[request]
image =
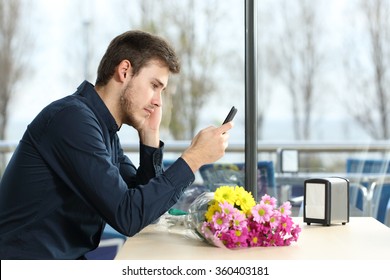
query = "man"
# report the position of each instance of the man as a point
(69, 175)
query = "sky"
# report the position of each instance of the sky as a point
(57, 29)
(54, 73)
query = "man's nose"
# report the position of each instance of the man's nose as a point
(157, 101)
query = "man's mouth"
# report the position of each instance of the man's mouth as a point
(149, 111)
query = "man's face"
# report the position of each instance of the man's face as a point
(142, 93)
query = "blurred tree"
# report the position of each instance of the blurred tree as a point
(12, 46)
(193, 34)
(196, 83)
(265, 64)
(298, 60)
(82, 56)
(368, 70)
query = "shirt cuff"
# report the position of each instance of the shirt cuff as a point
(154, 156)
(180, 174)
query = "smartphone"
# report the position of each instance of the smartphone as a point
(231, 115)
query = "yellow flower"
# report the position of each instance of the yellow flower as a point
(211, 211)
(225, 193)
(244, 200)
(237, 196)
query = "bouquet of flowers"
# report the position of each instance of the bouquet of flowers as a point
(231, 218)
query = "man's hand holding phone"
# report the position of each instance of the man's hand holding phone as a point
(209, 144)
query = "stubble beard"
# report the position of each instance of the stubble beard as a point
(127, 105)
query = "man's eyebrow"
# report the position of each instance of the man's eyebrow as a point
(161, 84)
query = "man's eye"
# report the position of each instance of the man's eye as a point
(155, 86)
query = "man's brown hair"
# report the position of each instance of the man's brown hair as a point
(139, 48)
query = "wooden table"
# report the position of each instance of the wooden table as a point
(363, 238)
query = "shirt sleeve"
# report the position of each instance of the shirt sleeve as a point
(75, 148)
(150, 164)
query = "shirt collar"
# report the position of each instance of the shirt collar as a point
(92, 98)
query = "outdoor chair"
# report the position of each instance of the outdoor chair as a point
(378, 190)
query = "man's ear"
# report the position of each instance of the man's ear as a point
(124, 69)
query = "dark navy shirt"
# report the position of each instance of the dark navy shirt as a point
(69, 176)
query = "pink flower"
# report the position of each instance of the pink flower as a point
(239, 220)
(227, 209)
(235, 238)
(265, 225)
(295, 232)
(220, 222)
(285, 209)
(261, 212)
(269, 200)
(276, 240)
(274, 219)
(253, 239)
(285, 224)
